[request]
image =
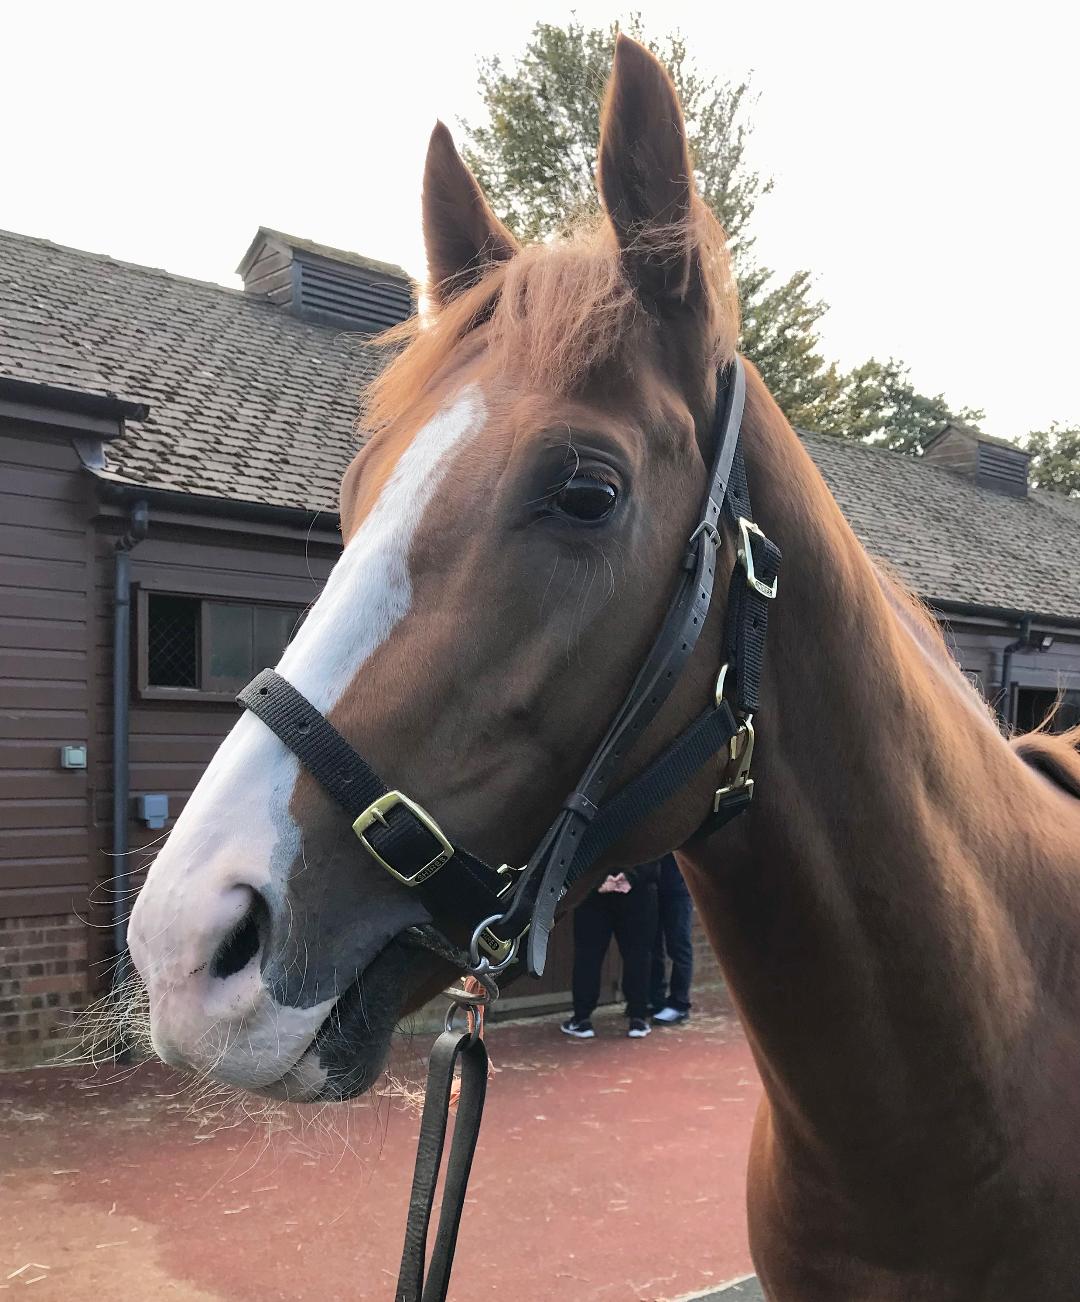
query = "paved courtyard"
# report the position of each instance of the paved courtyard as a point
(607, 1170)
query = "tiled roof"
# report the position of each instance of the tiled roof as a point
(251, 403)
(949, 539)
(246, 400)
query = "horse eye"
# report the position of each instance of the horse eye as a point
(586, 498)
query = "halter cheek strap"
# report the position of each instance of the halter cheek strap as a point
(483, 913)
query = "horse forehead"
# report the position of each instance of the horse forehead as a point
(369, 590)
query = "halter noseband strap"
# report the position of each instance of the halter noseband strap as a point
(487, 911)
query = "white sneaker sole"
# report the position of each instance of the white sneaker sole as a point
(638, 1035)
(578, 1035)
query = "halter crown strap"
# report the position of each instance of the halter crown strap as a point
(558, 862)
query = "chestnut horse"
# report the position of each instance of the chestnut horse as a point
(898, 915)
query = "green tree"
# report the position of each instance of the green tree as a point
(1055, 458)
(535, 155)
(877, 403)
(780, 336)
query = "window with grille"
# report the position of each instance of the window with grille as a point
(172, 641)
(208, 649)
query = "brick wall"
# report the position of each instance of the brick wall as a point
(44, 981)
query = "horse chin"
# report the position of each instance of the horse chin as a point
(350, 1049)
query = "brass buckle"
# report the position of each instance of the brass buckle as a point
(742, 756)
(376, 813)
(746, 556)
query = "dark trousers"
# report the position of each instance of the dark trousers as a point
(631, 919)
(675, 914)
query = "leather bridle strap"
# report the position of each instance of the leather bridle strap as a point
(751, 590)
(462, 889)
(552, 867)
(463, 898)
(451, 1047)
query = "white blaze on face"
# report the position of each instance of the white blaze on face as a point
(236, 830)
(369, 590)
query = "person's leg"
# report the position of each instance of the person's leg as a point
(592, 935)
(635, 929)
(658, 965)
(678, 928)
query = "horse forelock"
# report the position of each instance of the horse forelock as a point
(558, 312)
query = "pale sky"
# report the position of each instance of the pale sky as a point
(925, 155)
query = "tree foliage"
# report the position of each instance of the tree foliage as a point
(877, 403)
(1055, 458)
(535, 155)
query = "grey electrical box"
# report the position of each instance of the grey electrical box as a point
(153, 810)
(73, 757)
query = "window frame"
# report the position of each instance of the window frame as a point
(144, 689)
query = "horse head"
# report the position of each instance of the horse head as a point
(513, 526)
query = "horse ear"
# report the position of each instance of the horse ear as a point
(644, 173)
(462, 235)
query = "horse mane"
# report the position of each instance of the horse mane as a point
(1057, 755)
(559, 309)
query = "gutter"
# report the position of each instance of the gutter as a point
(101, 406)
(138, 526)
(1005, 614)
(168, 499)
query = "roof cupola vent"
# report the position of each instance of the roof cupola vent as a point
(992, 463)
(324, 285)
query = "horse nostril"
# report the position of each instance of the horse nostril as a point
(242, 944)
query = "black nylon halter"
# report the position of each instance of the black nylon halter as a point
(486, 910)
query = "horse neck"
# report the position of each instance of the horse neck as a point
(864, 913)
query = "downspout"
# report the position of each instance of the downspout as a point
(121, 904)
(1005, 709)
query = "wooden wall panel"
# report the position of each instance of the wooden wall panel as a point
(47, 841)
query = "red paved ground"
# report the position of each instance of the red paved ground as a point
(607, 1170)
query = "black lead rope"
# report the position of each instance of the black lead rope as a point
(483, 913)
(450, 1048)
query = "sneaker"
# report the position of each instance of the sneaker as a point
(669, 1016)
(579, 1030)
(638, 1029)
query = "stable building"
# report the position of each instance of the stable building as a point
(170, 453)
